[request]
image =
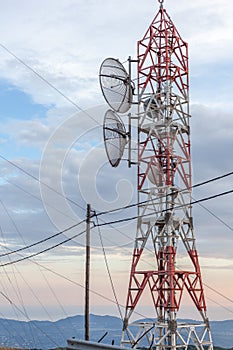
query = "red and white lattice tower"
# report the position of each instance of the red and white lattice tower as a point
(164, 195)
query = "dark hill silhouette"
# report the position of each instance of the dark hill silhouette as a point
(49, 335)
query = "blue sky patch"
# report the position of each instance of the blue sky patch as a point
(17, 104)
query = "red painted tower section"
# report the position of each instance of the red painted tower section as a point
(164, 195)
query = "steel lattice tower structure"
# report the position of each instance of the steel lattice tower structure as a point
(164, 194)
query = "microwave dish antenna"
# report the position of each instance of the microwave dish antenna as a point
(116, 85)
(115, 137)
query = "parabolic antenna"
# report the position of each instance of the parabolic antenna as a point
(116, 85)
(155, 175)
(115, 137)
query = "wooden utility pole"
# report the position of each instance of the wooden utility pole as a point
(87, 283)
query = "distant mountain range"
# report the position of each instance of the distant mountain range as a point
(49, 335)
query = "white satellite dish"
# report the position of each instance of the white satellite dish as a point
(115, 137)
(116, 85)
(155, 175)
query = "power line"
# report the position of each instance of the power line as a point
(213, 179)
(147, 201)
(215, 216)
(83, 287)
(117, 209)
(110, 211)
(41, 182)
(206, 285)
(43, 251)
(103, 296)
(42, 240)
(98, 225)
(25, 281)
(25, 315)
(48, 82)
(99, 294)
(224, 307)
(80, 109)
(222, 295)
(108, 270)
(165, 210)
(110, 278)
(77, 284)
(38, 198)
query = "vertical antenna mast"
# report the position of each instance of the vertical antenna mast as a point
(164, 195)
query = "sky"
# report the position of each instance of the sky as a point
(51, 111)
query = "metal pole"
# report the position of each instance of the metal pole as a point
(87, 283)
(129, 135)
(130, 91)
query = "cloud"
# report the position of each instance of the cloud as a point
(68, 52)
(65, 42)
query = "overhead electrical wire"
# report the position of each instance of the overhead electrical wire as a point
(206, 285)
(99, 294)
(103, 224)
(25, 315)
(217, 303)
(53, 247)
(39, 302)
(122, 220)
(109, 223)
(79, 108)
(125, 207)
(215, 216)
(42, 240)
(57, 300)
(147, 201)
(48, 83)
(165, 210)
(25, 281)
(222, 295)
(41, 182)
(43, 251)
(16, 291)
(108, 270)
(199, 204)
(110, 278)
(74, 282)
(74, 104)
(106, 297)
(39, 199)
